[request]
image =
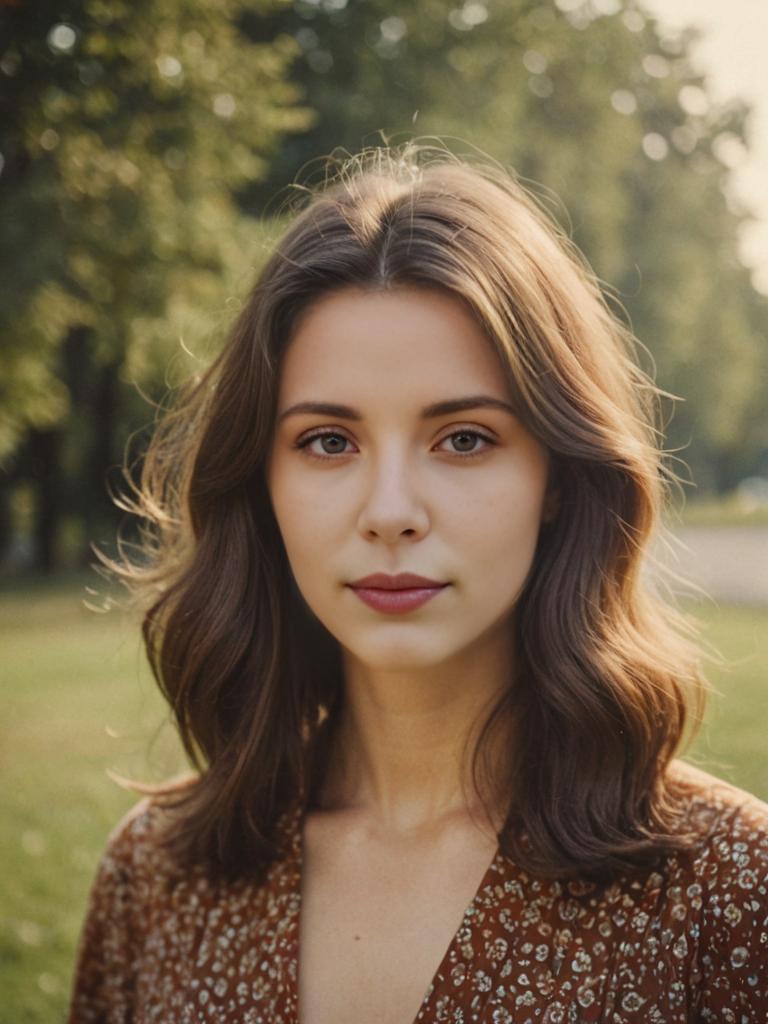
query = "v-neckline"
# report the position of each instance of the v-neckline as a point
(494, 870)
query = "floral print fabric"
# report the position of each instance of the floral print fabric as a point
(687, 942)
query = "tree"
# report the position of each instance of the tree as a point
(126, 128)
(591, 99)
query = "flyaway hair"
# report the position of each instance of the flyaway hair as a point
(608, 680)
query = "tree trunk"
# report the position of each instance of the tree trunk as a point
(101, 467)
(6, 526)
(44, 448)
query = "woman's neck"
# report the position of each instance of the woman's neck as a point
(402, 753)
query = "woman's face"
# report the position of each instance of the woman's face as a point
(391, 486)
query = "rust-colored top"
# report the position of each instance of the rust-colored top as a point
(685, 942)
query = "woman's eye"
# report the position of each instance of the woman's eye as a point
(331, 443)
(464, 437)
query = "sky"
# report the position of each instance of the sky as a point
(732, 54)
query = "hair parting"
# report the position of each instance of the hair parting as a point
(609, 671)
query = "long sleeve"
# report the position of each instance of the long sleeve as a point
(109, 948)
(734, 930)
(166, 943)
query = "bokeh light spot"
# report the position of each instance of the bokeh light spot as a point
(535, 62)
(655, 146)
(224, 105)
(655, 65)
(168, 66)
(62, 38)
(49, 139)
(634, 21)
(623, 101)
(693, 100)
(393, 29)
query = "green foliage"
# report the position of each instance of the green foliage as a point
(135, 135)
(129, 126)
(592, 100)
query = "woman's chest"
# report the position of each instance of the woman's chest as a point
(521, 955)
(363, 938)
(376, 927)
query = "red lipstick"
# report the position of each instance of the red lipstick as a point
(400, 593)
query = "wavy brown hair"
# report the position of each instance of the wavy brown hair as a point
(609, 678)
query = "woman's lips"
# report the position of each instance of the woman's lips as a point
(397, 600)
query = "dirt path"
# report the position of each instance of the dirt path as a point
(729, 562)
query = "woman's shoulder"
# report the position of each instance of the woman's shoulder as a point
(730, 825)
(135, 834)
(714, 806)
(139, 847)
(721, 886)
(135, 851)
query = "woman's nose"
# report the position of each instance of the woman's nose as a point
(392, 502)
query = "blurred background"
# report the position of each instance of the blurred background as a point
(145, 150)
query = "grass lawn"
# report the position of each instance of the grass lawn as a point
(78, 700)
(726, 511)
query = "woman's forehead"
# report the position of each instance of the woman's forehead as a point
(404, 343)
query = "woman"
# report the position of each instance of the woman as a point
(397, 534)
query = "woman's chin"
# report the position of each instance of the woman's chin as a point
(405, 655)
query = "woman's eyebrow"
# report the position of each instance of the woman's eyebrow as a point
(444, 408)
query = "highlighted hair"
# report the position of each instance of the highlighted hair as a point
(608, 679)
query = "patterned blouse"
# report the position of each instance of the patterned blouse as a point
(686, 942)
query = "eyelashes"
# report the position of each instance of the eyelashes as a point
(303, 443)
